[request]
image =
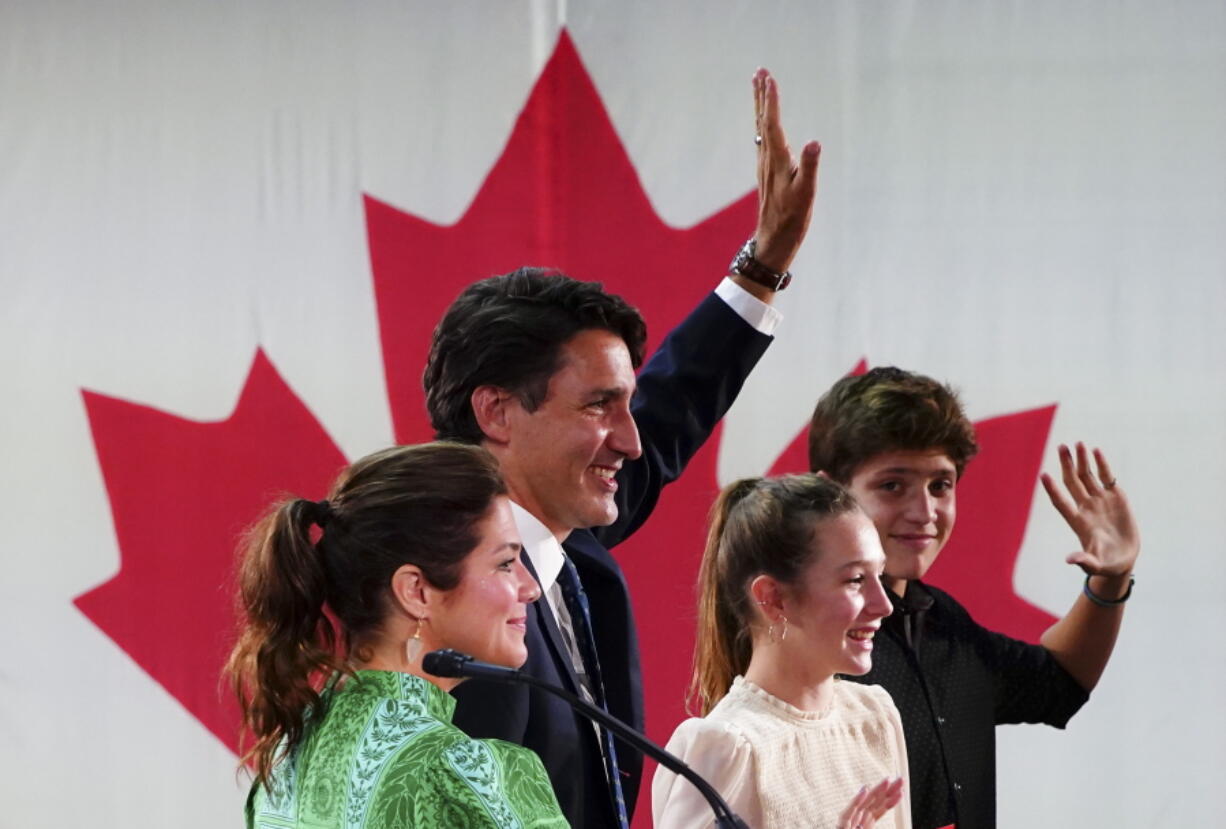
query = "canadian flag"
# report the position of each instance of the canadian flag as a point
(228, 232)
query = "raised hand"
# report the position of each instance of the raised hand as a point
(785, 187)
(870, 804)
(1097, 510)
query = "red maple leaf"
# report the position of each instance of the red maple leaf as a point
(563, 194)
(182, 492)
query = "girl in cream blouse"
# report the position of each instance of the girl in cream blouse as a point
(789, 596)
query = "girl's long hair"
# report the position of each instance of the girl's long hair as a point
(758, 526)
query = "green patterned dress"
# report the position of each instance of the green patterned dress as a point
(386, 756)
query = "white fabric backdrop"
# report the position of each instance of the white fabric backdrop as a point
(1026, 199)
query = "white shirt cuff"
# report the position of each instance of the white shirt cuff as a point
(763, 317)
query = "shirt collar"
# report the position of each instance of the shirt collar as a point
(541, 547)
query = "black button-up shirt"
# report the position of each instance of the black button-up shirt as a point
(954, 682)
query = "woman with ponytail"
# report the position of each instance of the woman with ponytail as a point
(414, 550)
(789, 596)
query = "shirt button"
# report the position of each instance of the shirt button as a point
(940, 721)
(957, 787)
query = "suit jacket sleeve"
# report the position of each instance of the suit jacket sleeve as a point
(683, 391)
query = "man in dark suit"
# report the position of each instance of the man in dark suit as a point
(540, 369)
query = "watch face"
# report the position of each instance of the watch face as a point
(747, 266)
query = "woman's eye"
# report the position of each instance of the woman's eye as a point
(856, 580)
(507, 565)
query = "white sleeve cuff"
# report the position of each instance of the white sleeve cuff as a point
(748, 307)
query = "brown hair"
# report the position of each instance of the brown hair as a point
(759, 526)
(308, 604)
(886, 410)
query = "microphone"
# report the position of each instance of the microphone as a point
(455, 665)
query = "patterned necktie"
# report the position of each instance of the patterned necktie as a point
(581, 620)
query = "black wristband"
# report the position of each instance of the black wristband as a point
(1100, 601)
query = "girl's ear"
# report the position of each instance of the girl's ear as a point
(767, 594)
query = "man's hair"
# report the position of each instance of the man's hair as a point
(508, 331)
(887, 410)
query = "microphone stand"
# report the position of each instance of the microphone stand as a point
(450, 663)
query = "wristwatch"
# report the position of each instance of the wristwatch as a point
(744, 264)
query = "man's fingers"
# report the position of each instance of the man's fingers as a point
(759, 102)
(810, 155)
(772, 128)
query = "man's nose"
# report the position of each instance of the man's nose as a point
(624, 437)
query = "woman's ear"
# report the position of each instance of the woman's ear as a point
(411, 591)
(767, 594)
(490, 404)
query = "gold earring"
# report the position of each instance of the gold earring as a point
(413, 648)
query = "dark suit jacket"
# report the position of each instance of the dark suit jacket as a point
(683, 391)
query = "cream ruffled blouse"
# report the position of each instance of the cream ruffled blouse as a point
(782, 768)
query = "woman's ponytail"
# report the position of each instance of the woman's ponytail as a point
(288, 645)
(308, 606)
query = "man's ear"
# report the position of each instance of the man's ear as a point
(821, 473)
(411, 592)
(767, 594)
(491, 410)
